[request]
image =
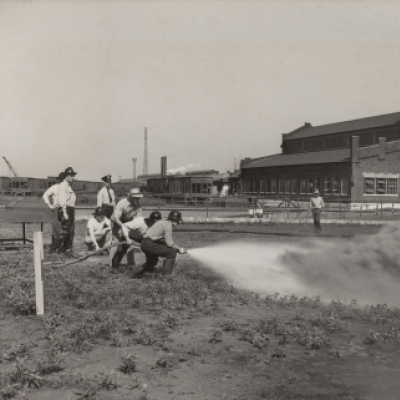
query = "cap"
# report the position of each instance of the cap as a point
(106, 178)
(135, 192)
(98, 211)
(70, 171)
(175, 216)
(61, 176)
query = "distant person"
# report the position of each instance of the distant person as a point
(99, 233)
(316, 206)
(158, 242)
(50, 198)
(66, 213)
(106, 197)
(125, 211)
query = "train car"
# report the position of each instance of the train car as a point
(25, 186)
(181, 187)
(5, 184)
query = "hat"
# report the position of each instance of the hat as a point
(61, 176)
(316, 191)
(70, 171)
(175, 216)
(135, 192)
(106, 178)
(98, 211)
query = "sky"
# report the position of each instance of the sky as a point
(211, 80)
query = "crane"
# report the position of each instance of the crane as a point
(10, 166)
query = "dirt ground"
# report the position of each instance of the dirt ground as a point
(189, 335)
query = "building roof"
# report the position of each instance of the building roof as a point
(318, 157)
(338, 127)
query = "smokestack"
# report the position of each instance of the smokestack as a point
(145, 166)
(164, 166)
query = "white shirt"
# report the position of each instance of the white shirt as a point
(96, 227)
(104, 198)
(317, 202)
(50, 195)
(125, 210)
(65, 195)
(137, 228)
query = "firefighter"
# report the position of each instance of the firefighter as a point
(50, 198)
(125, 211)
(66, 213)
(98, 231)
(106, 197)
(158, 242)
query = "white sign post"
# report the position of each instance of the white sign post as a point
(38, 254)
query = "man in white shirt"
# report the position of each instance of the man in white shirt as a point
(126, 210)
(98, 231)
(316, 206)
(50, 198)
(106, 197)
(66, 212)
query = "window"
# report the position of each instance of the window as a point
(281, 186)
(336, 142)
(327, 186)
(268, 187)
(256, 183)
(380, 186)
(303, 185)
(313, 144)
(317, 184)
(262, 186)
(273, 185)
(311, 185)
(335, 186)
(287, 186)
(294, 186)
(367, 139)
(344, 186)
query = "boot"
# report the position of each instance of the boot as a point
(168, 266)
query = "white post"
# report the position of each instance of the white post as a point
(38, 256)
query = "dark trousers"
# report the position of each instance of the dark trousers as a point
(317, 219)
(55, 226)
(107, 210)
(66, 239)
(153, 250)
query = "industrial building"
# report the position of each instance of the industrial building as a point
(354, 161)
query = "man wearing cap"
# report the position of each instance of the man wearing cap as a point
(316, 206)
(98, 231)
(106, 197)
(158, 242)
(66, 212)
(126, 210)
(50, 198)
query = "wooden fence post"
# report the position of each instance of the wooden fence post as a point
(38, 257)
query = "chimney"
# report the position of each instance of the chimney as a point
(308, 124)
(164, 166)
(355, 145)
(382, 149)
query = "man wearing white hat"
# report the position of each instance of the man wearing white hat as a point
(316, 206)
(126, 210)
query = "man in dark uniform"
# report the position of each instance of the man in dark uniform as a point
(158, 242)
(106, 197)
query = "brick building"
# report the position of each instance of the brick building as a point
(353, 161)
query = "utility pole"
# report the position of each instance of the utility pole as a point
(145, 166)
(134, 169)
(10, 167)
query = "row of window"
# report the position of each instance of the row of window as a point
(380, 186)
(331, 186)
(339, 141)
(205, 188)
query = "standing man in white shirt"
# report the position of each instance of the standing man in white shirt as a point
(106, 197)
(50, 198)
(98, 231)
(66, 212)
(316, 206)
(126, 210)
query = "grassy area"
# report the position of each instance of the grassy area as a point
(187, 336)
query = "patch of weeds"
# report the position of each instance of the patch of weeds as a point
(129, 365)
(50, 364)
(25, 375)
(216, 335)
(371, 338)
(312, 339)
(21, 350)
